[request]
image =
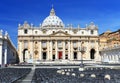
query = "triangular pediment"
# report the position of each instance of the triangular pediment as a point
(60, 33)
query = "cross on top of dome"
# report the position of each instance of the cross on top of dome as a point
(52, 12)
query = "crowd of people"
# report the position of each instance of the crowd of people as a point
(10, 75)
(73, 75)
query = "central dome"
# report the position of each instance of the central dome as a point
(52, 20)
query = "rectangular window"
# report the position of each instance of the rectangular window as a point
(92, 32)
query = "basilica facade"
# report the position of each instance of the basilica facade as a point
(53, 41)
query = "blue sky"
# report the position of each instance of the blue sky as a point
(104, 13)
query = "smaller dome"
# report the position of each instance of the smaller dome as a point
(92, 26)
(108, 31)
(52, 20)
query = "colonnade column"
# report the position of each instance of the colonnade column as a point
(1, 54)
(5, 53)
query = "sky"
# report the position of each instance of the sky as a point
(104, 13)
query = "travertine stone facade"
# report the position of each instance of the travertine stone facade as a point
(52, 40)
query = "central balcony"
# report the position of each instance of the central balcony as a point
(44, 45)
(60, 45)
(75, 45)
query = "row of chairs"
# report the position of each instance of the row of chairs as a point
(10, 75)
(73, 75)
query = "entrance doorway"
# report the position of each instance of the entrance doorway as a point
(60, 55)
(44, 56)
(53, 58)
(75, 55)
(92, 54)
(66, 56)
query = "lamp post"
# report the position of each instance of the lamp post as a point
(82, 49)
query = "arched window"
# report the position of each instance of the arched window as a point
(53, 31)
(82, 32)
(36, 32)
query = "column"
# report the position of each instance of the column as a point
(0, 54)
(102, 58)
(63, 50)
(56, 50)
(78, 53)
(1, 47)
(110, 57)
(50, 53)
(113, 56)
(69, 50)
(48, 50)
(40, 50)
(97, 55)
(71, 46)
(20, 51)
(5, 53)
(29, 55)
(32, 42)
(119, 56)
